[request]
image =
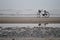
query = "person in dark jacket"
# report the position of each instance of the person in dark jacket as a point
(38, 14)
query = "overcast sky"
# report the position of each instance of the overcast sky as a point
(30, 4)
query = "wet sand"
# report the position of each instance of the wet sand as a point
(29, 20)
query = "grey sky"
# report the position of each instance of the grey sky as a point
(29, 4)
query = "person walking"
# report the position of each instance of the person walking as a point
(39, 14)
